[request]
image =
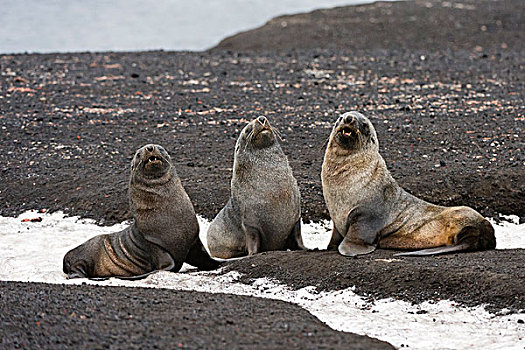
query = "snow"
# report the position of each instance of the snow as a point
(33, 252)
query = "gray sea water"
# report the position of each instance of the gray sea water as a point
(129, 25)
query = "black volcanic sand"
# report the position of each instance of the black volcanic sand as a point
(469, 279)
(60, 316)
(449, 117)
(450, 126)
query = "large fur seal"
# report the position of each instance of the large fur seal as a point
(370, 210)
(264, 210)
(164, 234)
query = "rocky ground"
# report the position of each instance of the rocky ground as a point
(450, 125)
(82, 317)
(470, 279)
(410, 25)
(445, 94)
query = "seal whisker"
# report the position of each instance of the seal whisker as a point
(249, 139)
(322, 147)
(276, 132)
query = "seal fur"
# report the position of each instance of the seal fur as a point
(163, 235)
(264, 210)
(369, 209)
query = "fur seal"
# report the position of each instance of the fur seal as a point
(369, 209)
(264, 210)
(164, 234)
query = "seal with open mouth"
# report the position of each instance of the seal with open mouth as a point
(164, 234)
(369, 209)
(264, 210)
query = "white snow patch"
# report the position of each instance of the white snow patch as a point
(33, 252)
(509, 233)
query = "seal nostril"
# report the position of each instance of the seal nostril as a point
(349, 119)
(150, 148)
(262, 120)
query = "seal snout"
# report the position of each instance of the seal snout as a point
(348, 131)
(349, 119)
(154, 159)
(261, 124)
(348, 128)
(262, 120)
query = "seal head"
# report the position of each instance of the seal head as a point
(151, 162)
(353, 132)
(258, 134)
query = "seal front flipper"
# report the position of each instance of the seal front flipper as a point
(362, 232)
(164, 262)
(295, 239)
(253, 239)
(349, 248)
(336, 239)
(76, 270)
(199, 257)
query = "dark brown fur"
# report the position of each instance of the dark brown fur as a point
(164, 233)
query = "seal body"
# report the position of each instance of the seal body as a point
(163, 235)
(264, 210)
(369, 209)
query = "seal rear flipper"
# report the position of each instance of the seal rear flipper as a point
(199, 257)
(470, 238)
(295, 239)
(439, 250)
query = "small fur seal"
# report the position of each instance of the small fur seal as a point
(370, 210)
(264, 210)
(164, 234)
